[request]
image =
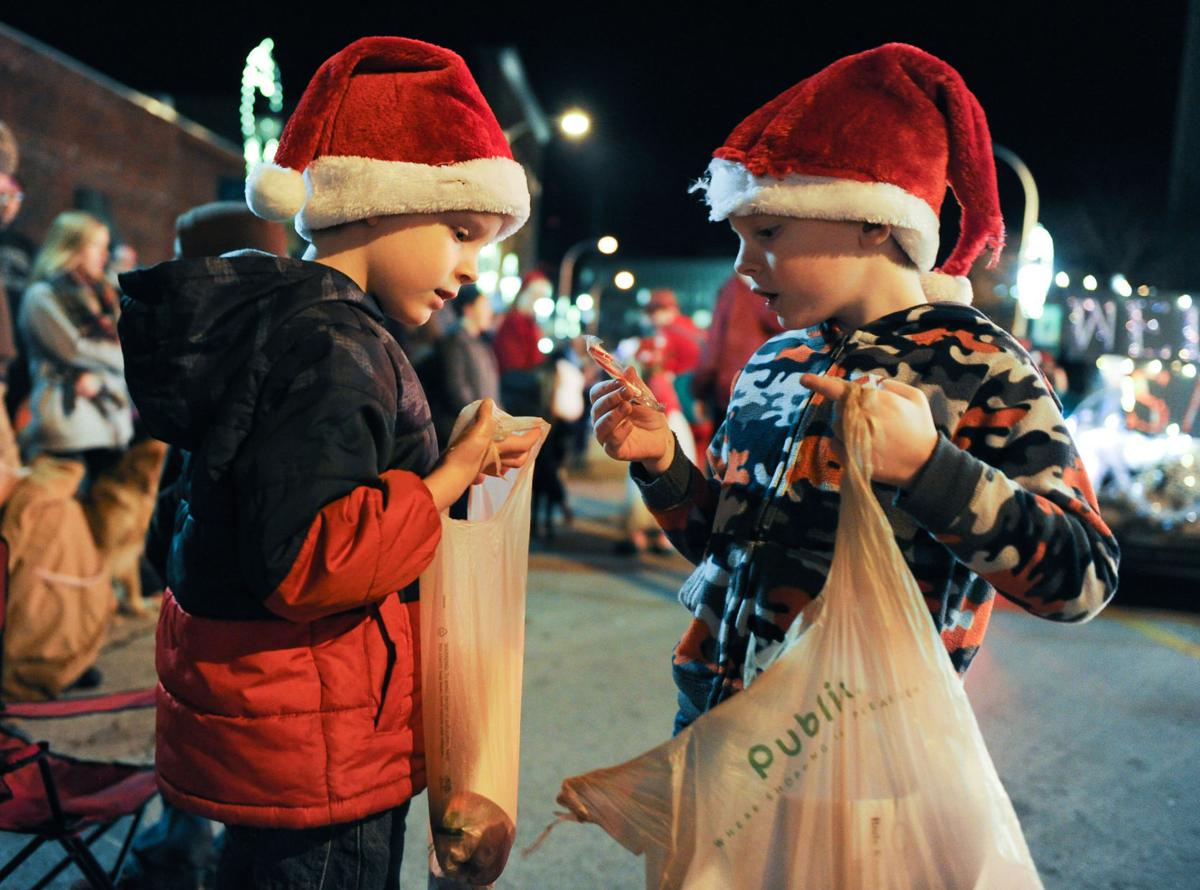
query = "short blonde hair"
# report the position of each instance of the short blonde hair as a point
(68, 234)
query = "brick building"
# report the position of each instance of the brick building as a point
(90, 143)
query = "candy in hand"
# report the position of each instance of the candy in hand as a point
(616, 370)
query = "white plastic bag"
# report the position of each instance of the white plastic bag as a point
(853, 763)
(472, 650)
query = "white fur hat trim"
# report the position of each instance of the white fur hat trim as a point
(732, 190)
(344, 189)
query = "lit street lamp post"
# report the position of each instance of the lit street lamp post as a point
(566, 270)
(1030, 218)
(1035, 256)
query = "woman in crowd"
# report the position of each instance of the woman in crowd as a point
(79, 404)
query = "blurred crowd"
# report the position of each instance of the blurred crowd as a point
(77, 477)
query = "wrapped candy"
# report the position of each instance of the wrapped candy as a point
(616, 370)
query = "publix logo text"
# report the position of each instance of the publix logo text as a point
(760, 757)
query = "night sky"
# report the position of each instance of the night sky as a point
(1085, 95)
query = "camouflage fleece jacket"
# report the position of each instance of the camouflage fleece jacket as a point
(1003, 504)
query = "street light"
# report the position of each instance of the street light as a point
(624, 279)
(566, 271)
(575, 123)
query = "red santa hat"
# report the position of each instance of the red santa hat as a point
(876, 137)
(534, 286)
(662, 298)
(390, 126)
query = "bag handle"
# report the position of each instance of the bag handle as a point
(865, 541)
(857, 435)
(863, 530)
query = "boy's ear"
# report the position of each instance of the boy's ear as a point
(371, 221)
(874, 235)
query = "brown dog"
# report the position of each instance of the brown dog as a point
(118, 510)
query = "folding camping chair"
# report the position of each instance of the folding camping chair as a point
(58, 798)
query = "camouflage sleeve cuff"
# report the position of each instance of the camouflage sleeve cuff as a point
(942, 490)
(668, 490)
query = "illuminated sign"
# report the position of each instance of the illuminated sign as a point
(1158, 327)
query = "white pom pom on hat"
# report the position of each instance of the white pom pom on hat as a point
(942, 288)
(275, 192)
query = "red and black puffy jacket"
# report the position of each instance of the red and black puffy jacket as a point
(288, 650)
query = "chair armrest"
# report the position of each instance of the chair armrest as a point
(76, 707)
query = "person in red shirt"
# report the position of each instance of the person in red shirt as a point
(516, 342)
(741, 323)
(681, 352)
(681, 342)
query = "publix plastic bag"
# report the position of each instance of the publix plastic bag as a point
(854, 762)
(472, 650)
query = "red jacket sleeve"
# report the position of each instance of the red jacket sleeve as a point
(360, 548)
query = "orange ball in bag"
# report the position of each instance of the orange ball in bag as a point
(474, 839)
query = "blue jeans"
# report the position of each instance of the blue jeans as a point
(175, 853)
(362, 855)
(695, 683)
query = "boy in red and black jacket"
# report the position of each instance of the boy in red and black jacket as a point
(289, 699)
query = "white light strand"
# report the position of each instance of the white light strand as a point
(260, 77)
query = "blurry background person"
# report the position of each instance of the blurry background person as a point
(642, 531)
(60, 591)
(122, 258)
(9, 154)
(79, 404)
(683, 340)
(11, 198)
(562, 374)
(224, 226)
(464, 367)
(523, 391)
(54, 630)
(16, 259)
(679, 342)
(741, 323)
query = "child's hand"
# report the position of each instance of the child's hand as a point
(511, 451)
(631, 432)
(471, 457)
(904, 432)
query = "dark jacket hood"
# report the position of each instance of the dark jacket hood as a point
(190, 329)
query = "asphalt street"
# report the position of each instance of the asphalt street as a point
(1093, 728)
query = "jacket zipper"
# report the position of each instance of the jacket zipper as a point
(781, 471)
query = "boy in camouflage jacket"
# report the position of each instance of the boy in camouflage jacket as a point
(833, 190)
